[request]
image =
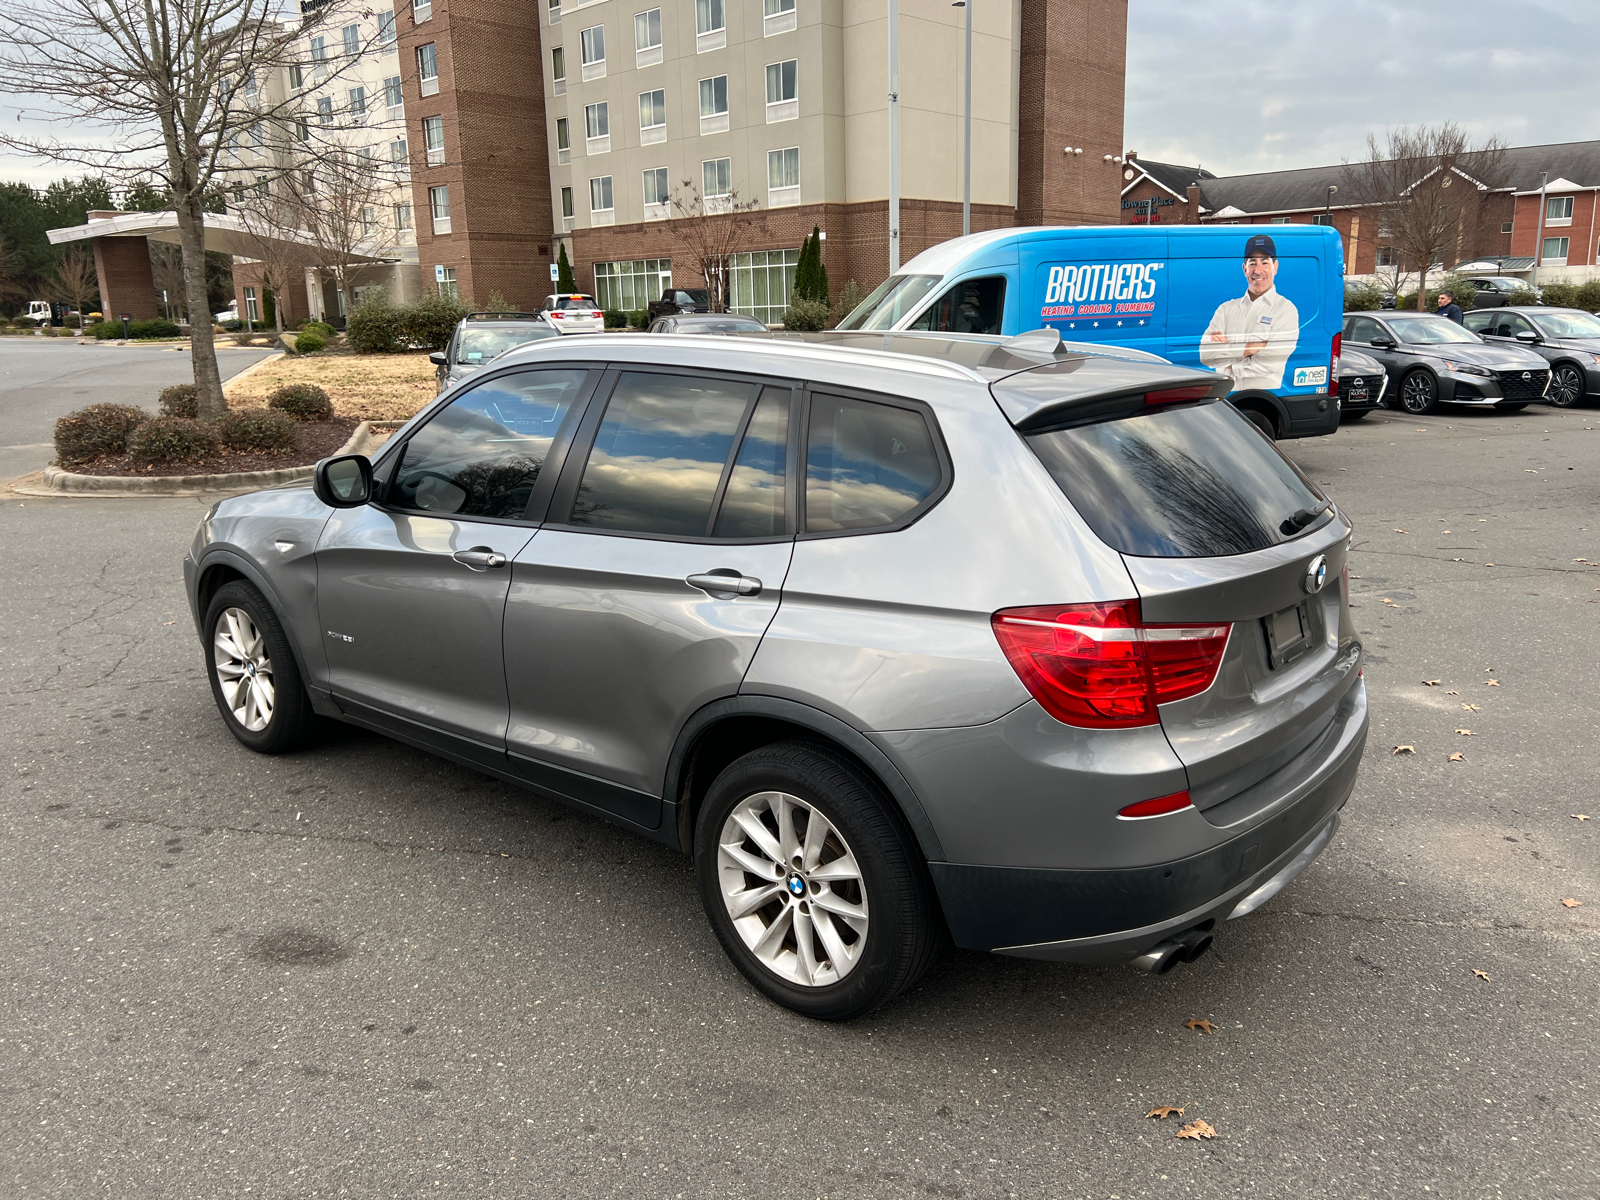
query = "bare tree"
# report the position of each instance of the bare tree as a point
(171, 84)
(75, 279)
(1425, 186)
(341, 205)
(280, 250)
(711, 229)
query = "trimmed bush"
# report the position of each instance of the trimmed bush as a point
(1588, 297)
(805, 314)
(615, 318)
(99, 431)
(431, 320)
(302, 401)
(105, 329)
(163, 440)
(374, 327)
(179, 400)
(310, 341)
(321, 327)
(1560, 294)
(1362, 297)
(258, 429)
(157, 328)
(1523, 295)
(638, 318)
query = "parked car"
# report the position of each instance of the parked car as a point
(1051, 647)
(1567, 338)
(679, 300)
(1495, 291)
(480, 338)
(574, 313)
(1362, 383)
(1431, 360)
(38, 312)
(707, 323)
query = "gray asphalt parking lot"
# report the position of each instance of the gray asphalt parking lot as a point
(363, 971)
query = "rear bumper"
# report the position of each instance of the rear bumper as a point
(1310, 416)
(1110, 916)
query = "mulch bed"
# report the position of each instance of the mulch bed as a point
(318, 439)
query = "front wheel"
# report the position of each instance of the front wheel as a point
(254, 678)
(1419, 392)
(811, 882)
(1566, 387)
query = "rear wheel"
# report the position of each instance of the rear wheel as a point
(1566, 386)
(254, 678)
(811, 882)
(1419, 392)
(1263, 422)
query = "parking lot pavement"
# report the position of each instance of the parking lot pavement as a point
(45, 378)
(362, 971)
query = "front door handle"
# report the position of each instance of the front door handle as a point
(730, 584)
(479, 558)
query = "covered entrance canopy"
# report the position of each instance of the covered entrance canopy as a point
(122, 253)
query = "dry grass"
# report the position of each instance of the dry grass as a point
(373, 387)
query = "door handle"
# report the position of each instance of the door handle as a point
(479, 558)
(725, 585)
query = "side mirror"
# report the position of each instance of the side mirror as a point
(343, 482)
(1383, 343)
(1528, 335)
(439, 358)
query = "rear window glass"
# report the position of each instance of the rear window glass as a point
(1192, 482)
(867, 465)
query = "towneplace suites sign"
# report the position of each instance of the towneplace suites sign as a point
(1144, 211)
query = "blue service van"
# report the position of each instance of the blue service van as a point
(1263, 304)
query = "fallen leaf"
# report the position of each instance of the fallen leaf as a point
(1404, 750)
(1200, 1025)
(1195, 1130)
(1452, 693)
(1457, 757)
(1491, 683)
(1580, 816)
(1466, 733)
(1432, 682)
(1569, 902)
(1488, 564)
(1471, 707)
(1162, 1111)
(169, 622)
(1402, 531)
(1483, 975)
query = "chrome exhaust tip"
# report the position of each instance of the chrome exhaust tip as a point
(1164, 955)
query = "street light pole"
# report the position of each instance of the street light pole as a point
(1538, 237)
(894, 136)
(966, 127)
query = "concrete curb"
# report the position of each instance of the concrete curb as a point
(252, 368)
(54, 482)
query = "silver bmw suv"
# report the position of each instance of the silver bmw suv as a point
(1037, 647)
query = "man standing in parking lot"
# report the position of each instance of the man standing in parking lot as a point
(1250, 339)
(1449, 308)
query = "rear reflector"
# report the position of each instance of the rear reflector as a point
(1178, 395)
(1158, 807)
(1097, 666)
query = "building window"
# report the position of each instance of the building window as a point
(779, 17)
(558, 69)
(716, 179)
(708, 16)
(714, 104)
(433, 140)
(592, 43)
(369, 220)
(325, 110)
(428, 69)
(297, 78)
(783, 177)
(563, 134)
(308, 182)
(386, 33)
(657, 194)
(782, 97)
(250, 310)
(397, 153)
(597, 120)
(352, 40)
(1386, 257)
(402, 218)
(1505, 226)
(761, 283)
(555, 12)
(393, 98)
(600, 194)
(439, 204)
(647, 38)
(1554, 253)
(302, 131)
(258, 136)
(421, 10)
(653, 116)
(446, 277)
(567, 210)
(1558, 210)
(319, 57)
(631, 285)
(1280, 220)
(358, 102)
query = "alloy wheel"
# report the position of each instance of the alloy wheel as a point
(239, 657)
(1566, 389)
(1417, 393)
(792, 888)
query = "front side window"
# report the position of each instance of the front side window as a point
(597, 118)
(482, 454)
(714, 96)
(708, 16)
(867, 465)
(563, 134)
(783, 169)
(1506, 325)
(781, 81)
(352, 40)
(1364, 329)
(716, 177)
(600, 194)
(655, 186)
(433, 139)
(652, 109)
(593, 41)
(659, 454)
(647, 29)
(971, 306)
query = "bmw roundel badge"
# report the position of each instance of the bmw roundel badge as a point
(1316, 575)
(797, 886)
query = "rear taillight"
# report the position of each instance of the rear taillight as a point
(1333, 378)
(1177, 395)
(1159, 807)
(1097, 665)
(557, 316)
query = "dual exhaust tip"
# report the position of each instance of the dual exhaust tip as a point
(1182, 948)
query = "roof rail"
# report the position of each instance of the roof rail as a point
(480, 315)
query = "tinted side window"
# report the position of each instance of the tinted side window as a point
(659, 454)
(971, 306)
(1363, 329)
(481, 455)
(867, 465)
(1479, 322)
(753, 505)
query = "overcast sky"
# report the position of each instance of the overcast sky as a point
(1244, 85)
(1257, 85)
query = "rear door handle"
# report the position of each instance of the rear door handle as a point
(726, 585)
(479, 558)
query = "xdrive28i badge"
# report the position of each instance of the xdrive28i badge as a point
(1316, 575)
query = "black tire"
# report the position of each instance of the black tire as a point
(904, 930)
(1566, 386)
(1263, 422)
(291, 721)
(1419, 392)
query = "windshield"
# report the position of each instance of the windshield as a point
(478, 346)
(894, 298)
(1570, 325)
(1432, 331)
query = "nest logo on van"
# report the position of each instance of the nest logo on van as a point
(1100, 289)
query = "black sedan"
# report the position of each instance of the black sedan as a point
(1431, 360)
(1566, 338)
(707, 323)
(1362, 383)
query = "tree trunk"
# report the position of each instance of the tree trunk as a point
(202, 343)
(1422, 289)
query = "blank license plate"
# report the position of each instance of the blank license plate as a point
(1286, 632)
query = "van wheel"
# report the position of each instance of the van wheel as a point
(813, 885)
(1262, 422)
(1419, 392)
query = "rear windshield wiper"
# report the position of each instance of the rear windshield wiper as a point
(1294, 524)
